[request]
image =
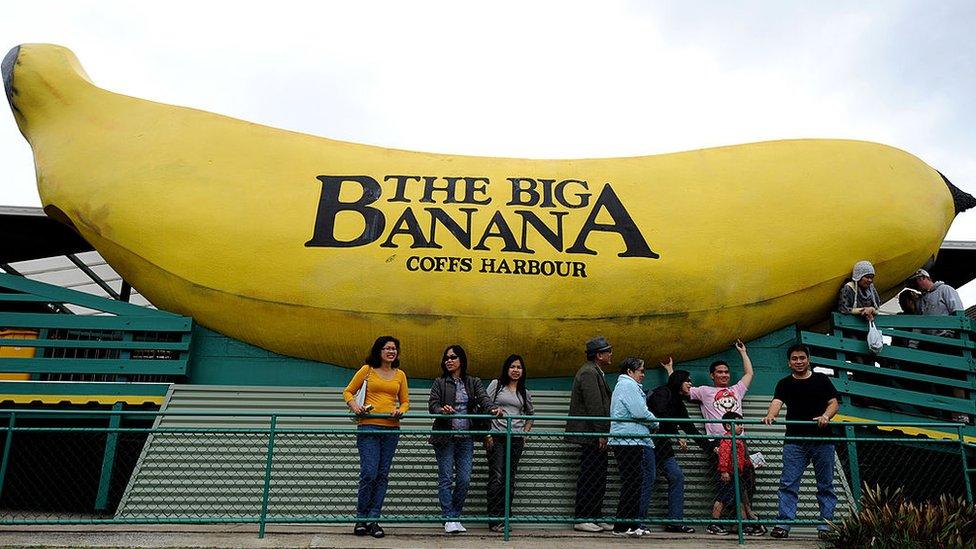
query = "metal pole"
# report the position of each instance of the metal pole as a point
(736, 487)
(267, 476)
(965, 465)
(855, 467)
(6, 451)
(508, 476)
(108, 458)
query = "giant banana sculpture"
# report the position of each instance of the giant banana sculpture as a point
(312, 247)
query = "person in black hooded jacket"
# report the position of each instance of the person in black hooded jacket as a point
(667, 401)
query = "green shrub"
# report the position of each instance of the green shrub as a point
(887, 520)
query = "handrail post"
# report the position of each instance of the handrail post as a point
(855, 467)
(508, 478)
(965, 465)
(267, 476)
(108, 458)
(6, 450)
(736, 485)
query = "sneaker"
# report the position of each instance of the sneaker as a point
(779, 533)
(758, 530)
(606, 527)
(360, 529)
(643, 530)
(679, 529)
(459, 527)
(629, 533)
(823, 535)
(499, 528)
(749, 530)
(716, 530)
(451, 528)
(375, 530)
(587, 527)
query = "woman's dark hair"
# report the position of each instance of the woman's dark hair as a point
(677, 379)
(375, 360)
(504, 378)
(462, 358)
(630, 364)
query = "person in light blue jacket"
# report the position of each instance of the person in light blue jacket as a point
(631, 445)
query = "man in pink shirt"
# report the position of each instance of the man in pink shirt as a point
(717, 400)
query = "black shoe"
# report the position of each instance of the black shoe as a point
(360, 529)
(779, 533)
(823, 535)
(679, 529)
(375, 530)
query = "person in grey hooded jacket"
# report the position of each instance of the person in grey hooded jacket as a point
(938, 298)
(858, 296)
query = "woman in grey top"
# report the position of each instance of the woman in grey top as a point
(509, 394)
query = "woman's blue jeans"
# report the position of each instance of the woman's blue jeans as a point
(376, 448)
(453, 467)
(676, 489)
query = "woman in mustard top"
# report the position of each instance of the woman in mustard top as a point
(379, 426)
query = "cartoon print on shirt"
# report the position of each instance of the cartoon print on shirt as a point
(725, 401)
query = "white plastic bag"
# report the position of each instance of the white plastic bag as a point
(875, 339)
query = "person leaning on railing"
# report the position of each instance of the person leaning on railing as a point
(858, 296)
(808, 396)
(508, 393)
(378, 430)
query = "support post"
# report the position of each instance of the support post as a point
(267, 476)
(108, 458)
(736, 485)
(855, 467)
(6, 451)
(508, 476)
(965, 465)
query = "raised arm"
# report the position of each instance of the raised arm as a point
(746, 363)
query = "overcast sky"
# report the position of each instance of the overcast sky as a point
(537, 79)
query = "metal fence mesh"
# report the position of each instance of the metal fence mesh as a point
(165, 474)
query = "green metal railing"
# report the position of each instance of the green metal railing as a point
(124, 343)
(927, 368)
(282, 471)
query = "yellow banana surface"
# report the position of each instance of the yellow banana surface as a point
(313, 247)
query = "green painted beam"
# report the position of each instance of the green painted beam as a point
(888, 372)
(857, 346)
(938, 402)
(56, 294)
(81, 388)
(93, 366)
(22, 298)
(950, 322)
(169, 323)
(91, 344)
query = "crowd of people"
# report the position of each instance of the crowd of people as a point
(810, 399)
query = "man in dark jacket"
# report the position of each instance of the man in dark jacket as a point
(591, 397)
(667, 401)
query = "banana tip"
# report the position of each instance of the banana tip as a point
(960, 198)
(7, 70)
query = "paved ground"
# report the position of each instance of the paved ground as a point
(398, 538)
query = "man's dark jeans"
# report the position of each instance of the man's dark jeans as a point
(496, 475)
(591, 484)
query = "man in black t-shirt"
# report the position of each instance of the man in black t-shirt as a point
(808, 396)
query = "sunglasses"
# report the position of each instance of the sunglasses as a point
(451, 357)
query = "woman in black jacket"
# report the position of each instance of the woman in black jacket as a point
(455, 392)
(667, 401)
